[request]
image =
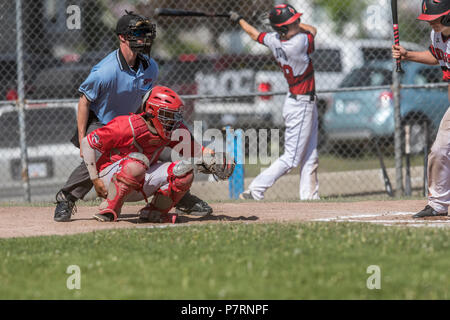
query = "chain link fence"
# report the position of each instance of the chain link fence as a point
(225, 79)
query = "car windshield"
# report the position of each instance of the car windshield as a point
(367, 77)
(43, 126)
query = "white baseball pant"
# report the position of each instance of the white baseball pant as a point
(300, 149)
(155, 178)
(439, 168)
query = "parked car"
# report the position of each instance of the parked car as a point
(332, 60)
(364, 115)
(51, 156)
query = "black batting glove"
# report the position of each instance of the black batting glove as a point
(235, 17)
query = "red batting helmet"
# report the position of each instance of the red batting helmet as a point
(282, 15)
(165, 108)
(435, 9)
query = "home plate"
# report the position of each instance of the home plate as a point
(391, 219)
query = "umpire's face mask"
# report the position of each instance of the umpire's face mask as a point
(141, 38)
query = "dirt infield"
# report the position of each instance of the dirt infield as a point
(38, 221)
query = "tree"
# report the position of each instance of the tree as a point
(343, 11)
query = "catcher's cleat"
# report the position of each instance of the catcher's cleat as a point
(168, 218)
(193, 205)
(65, 207)
(148, 214)
(428, 211)
(106, 215)
(246, 195)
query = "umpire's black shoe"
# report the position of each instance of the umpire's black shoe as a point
(429, 212)
(193, 205)
(65, 207)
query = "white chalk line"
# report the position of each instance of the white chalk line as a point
(365, 216)
(409, 222)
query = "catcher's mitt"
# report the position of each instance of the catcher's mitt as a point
(219, 164)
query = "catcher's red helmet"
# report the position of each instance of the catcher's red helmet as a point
(165, 108)
(435, 9)
(282, 15)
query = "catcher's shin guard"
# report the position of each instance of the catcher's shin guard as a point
(180, 179)
(130, 177)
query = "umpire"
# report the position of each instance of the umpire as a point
(115, 87)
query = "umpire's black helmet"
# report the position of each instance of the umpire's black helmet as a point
(282, 15)
(134, 27)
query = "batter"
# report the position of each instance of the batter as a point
(437, 14)
(291, 44)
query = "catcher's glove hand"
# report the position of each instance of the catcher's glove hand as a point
(219, 164)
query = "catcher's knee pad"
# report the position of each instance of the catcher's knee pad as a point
(130, 177)
(181, 175)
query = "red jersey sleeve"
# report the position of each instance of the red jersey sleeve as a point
(310, 42)
(261, 37)
(190, 142)
(433, 52)
(107, 137)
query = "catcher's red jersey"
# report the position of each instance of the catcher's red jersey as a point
(126, 134)
(440, 49)
(293, 57)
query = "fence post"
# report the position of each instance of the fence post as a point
(397, 134)
(21, 102)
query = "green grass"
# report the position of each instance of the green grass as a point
(333, 163)
(231, 261)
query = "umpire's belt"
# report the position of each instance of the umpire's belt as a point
(311, 96)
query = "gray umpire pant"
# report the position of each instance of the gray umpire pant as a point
(79, 182)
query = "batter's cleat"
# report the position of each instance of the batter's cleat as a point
(428, 211)
(65, 207)
(246, 195)
(193, 205)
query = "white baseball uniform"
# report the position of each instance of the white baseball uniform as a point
(299, 113)
(438, 159)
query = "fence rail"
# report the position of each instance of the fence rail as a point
(225, 78)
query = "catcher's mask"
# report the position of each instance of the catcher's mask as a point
(165, 109)
(283, 15)
(433, 9)
(138, 30)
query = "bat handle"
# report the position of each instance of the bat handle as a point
(397, 43)
(399, 66)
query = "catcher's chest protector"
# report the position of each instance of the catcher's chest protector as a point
(144, 141)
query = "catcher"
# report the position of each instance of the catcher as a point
(121, 158)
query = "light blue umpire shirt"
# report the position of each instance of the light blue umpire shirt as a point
(114, 89)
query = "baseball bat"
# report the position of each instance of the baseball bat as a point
(396, 32)
(387, 181)
(407, 159)
(187, 13)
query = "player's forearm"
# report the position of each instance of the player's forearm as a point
(249, 29)
(89, 158)
(309, 28)
(82, 116)
(424, 57)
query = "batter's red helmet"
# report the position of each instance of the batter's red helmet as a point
(435, 9)
(282, 15)
(165, 108)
